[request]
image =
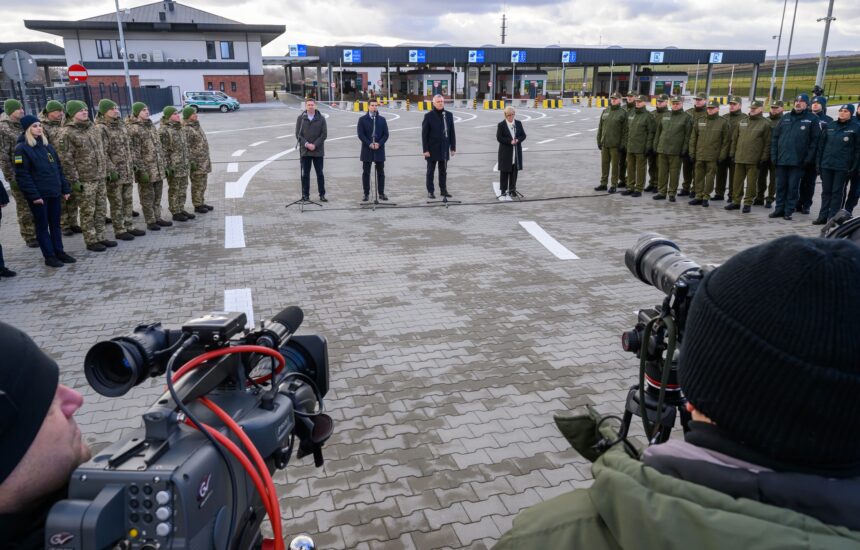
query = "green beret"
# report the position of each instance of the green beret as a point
(74, 106)
(53, 106)
(188, 111)
(106, 105)
(168, 112)
(137, 107)
(11, 105)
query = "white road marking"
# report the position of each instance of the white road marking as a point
(234, 232)
(286, 136)
(497, 189)
(546, 141)
(496, 167)
(236, 189)
(549, 125)
(239, 153)
(548, 242)
(251, 128)
(571, 135)
(593, 130)
(486, 126)
(570, 121)
(258, 143)
(473, 115)
(239, 299)
(233, 167)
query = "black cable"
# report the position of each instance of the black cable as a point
(234, 509)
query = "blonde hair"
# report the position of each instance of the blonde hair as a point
(509, 110)
(31, 139)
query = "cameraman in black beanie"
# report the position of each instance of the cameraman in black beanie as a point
(770, 369)
(40, 443)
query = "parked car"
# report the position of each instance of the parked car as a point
(211, 100)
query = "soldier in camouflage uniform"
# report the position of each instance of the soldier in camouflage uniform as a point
(198, 157)
(611, 137)
(709, 144)
(119, 182)
(751, 150)
(82, 153)
(10, 131)
(176, 158)
(640, 142)
(767, 177)
(658, 114)
(697, 112)
(726, 168)
(147, 162)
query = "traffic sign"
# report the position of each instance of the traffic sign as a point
(19, 66)
(78, 73)
(333, 85)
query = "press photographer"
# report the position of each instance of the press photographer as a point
(767, 381)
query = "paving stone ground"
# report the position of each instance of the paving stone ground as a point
(454, 336)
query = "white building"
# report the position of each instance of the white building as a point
(169, 44)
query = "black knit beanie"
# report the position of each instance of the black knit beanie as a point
(28, 382)
(772, 351)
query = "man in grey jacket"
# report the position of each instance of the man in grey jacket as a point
(311, 134)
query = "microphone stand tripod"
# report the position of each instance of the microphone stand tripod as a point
(445, 200)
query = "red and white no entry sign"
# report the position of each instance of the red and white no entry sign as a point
(78, 73)
(334, 85)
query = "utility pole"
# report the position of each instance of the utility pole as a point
(788, 53)
(819, 78)
(504, 27)
(776, 59)
(124, 57)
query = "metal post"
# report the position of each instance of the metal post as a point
(819, 78)
(776, 59)
(709, 78)
(696, 85)
(513, 81)
(788, 53)
(493, 71)
(341, 79)
(594, 79)
(754, 81)
(563, 74)
(388, 62)
(731, 81)
(611, 75)
(21, 82)
(454, 82)
(124, 56)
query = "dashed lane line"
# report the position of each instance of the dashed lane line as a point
(545, 141)
(573, 134)
(544, 238)
(234, 232)
(233, 167)
(239, 153)
(239, 299)
(256, 143)
(593, 130)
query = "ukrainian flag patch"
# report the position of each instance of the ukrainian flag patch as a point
(19, 159)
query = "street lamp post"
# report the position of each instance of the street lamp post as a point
(776, 58)
(819, 78)
(788, 53)
(124, 56)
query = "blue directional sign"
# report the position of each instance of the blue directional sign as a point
(656, 57)
(568, 56)
(417, 56)
(352, 56)
(476, 56)
(716, 57)
(518, 56)
(298, 50)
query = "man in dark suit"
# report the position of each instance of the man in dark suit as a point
(510, 135)
(438, 139)
(373, 133)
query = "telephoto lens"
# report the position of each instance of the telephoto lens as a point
(657, 261)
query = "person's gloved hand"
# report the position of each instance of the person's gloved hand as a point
(143, 177)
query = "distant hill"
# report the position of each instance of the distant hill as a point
(839, 53)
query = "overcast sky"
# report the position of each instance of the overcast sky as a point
(657, 23)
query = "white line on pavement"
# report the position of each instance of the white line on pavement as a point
(239, 299)
(236, 189)
(234, 232)
(251, 128)
(573, 134)
(233, 167)
(258, 143)
(285, 136)
(549, 125)
(473, 115)
(497, 189)
(239, 153)
(486, 126)
(593, 130)
(546, 141)
(570, 122)
(548, 242)
(496, 167)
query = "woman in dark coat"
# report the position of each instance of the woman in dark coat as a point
(510, 135)
(41, 180)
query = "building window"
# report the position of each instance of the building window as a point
(103, 49)
(222, 86)
(209, 86)
(210, 50)
(232, 86)
(119, 52)
(226, 50)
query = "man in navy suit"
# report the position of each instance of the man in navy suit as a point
(373, 133)
(438, 140)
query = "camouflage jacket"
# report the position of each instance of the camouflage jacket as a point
(52, 129)
(82, 152)
(198, 146)
(174, 146)
(9, 134)
(146, 154)
(117, 146)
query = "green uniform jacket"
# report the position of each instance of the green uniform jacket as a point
(82, 152)
(640, 131)
(117, 146)
(697, 114)
(612, 130)
(734, 119)
(147, 158)
(198, 146)
(9, 133)
(774, 120)
(751, 141)
(52, 129)
(174, 146)
(659, 113)
(673, 133)
(710, 139)
(633, 506)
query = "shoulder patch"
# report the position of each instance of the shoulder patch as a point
(19, 159)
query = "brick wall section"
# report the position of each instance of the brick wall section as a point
(94, 81)
(246, 92)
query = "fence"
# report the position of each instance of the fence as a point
(37, 96)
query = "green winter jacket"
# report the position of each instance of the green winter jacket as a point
(612, 130)
(633, 506)
(734, 119)
(710, 139)
(673, 133)
(751, 141)
(640, 131)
